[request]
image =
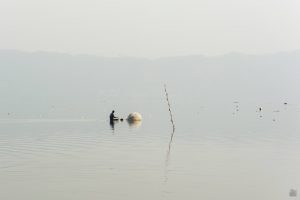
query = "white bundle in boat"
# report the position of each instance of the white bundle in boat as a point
(135, 116)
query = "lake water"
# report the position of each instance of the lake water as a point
(223, 147)
(217, 154)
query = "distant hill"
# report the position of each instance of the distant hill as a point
(32, 83)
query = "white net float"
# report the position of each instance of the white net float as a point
(135, 116)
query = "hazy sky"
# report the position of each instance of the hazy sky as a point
(150, 28)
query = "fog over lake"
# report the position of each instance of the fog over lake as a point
(56, 141)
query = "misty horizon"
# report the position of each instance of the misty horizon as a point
(231, 53)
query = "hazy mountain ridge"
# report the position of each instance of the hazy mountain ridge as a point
(31, 83)
(13, 54)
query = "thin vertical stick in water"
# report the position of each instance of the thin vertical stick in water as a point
(172, 134)
(167, 98)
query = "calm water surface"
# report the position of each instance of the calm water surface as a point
(221, 149)
(231, 153)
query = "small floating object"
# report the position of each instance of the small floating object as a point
(135, 116)
(285, 103)
(260, 108)
(121, 119)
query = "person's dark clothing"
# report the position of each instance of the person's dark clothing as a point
(111, 116)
